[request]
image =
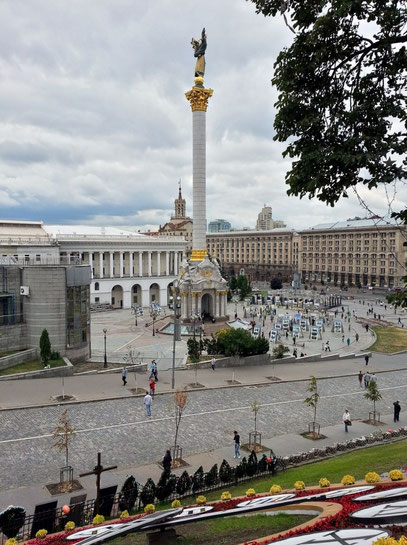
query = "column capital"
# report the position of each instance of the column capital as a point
(198, 98)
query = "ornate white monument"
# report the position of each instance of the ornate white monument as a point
(203, 290)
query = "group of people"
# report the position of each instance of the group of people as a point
(365, 379)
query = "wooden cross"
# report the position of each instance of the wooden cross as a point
(99, 469)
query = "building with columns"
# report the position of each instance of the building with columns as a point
(127, 268)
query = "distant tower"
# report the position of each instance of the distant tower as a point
(179, 207)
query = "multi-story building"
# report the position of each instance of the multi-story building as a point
(358, 251)
(265, 220)
(218, 226)
(260, 255)
(180, 224)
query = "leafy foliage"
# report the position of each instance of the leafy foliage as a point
(238, 342)
(279, 350)
(11, 520)
(276, 283)
(211, 477)
(243, 285)
(128, 494)
(45, 346)
(241, 469)
(147, 494)
(313, 398)
(193, 349)
(372, 394)
(341, 106)
(183, 483)
(198, 479)
(252, 464)
(225, 472)
(166, 485)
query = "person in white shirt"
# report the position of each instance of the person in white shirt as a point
(147, 402)
(346, 419)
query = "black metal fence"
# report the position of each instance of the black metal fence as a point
(82, 513)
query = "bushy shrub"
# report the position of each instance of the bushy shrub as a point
(149, 508)
(183, 483)
(250, 492)
(262, 464)
(211, 477)
(70, 525)
(147, 495)
(176, 503)
(279, 351)
(226, 496)
(55, 355)
(252, 464)
(128, 494)
(238, 342)
(162, 490)
(396, 475)
(372, 477)
(201, 500)
(241, 469)
(324, 483)
(198, 479)
(41, 534)
(275, 489)
(98, 519)
(11, 520)
(124, 514)
(299, 485)
(348, 480)
(225, 472)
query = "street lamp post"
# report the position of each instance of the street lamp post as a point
(105, 357)
(174, 304)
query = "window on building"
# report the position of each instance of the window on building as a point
(96, 286)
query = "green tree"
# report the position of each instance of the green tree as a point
(147, 494)
(313, 399)
(243, 285)
(128, 494)
(183, 483)
(45, 347)
(225, 472)
(193, 350)
(279, 351)
(372, 394)
(341, 104)
(232, 283)
(276, 283)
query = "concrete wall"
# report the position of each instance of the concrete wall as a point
(65, 371)
(235, 361)
(13, 337)
(19, 357)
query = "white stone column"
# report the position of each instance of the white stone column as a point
(131, 264)
(159, 265)
(199, 304)
(91, 263)
(184, 306)
(167, 263)
(68, 258)
(111, 254)
(121, 265)
(100, 264)
(176, 263)
(225, 303)
(140, 263)
(149, 263)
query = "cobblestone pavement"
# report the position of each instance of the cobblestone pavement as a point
(126, 436)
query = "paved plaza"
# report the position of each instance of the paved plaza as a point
(110, 419)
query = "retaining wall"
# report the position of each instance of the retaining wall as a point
(19, 357)
(64, 371)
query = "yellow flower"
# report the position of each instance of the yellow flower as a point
(226, 496)
(201, 500)
(70, 525)
(324, 483)
(275, 489)
(41, 534)
(11, 541)
(299, 485)
(250, 493)
(347, 480)
(99, 519)
(124, 514)
(149, 508)
(396, 475)
(372, 477)
(176, 503)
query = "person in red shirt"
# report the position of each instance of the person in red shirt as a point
(152, 387)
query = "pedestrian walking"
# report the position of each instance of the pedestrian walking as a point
(213, 363)
(343, 338)
(366, 379)
(373, 377)
(346, 420)
(397, 410)
(295, 352)
(236, 439)
(367, 359)
(327, 347)
(167, 461)
(154, 370)
(124, 375)
(152, 386)
(348, 341)
(147, 403)
(360, 378)
(357, 337)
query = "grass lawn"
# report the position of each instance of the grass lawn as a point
(228, 531)
(9, 353)
(389, 339)
(27, 366)
(357, 463)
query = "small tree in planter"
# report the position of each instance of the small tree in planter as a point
(279, 351)
(241, 469)
(211, 477)
(198, 479)
(255, 436)
(180, 402)
(252, 464)
(183, 483)
(64, 434)
(45, 347)
(373, 395)
(147, 495)
(312, 401)
(166, 485)
(225, 472)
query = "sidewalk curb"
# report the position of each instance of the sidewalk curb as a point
(209, 388)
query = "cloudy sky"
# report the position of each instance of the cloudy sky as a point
(95, 127)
